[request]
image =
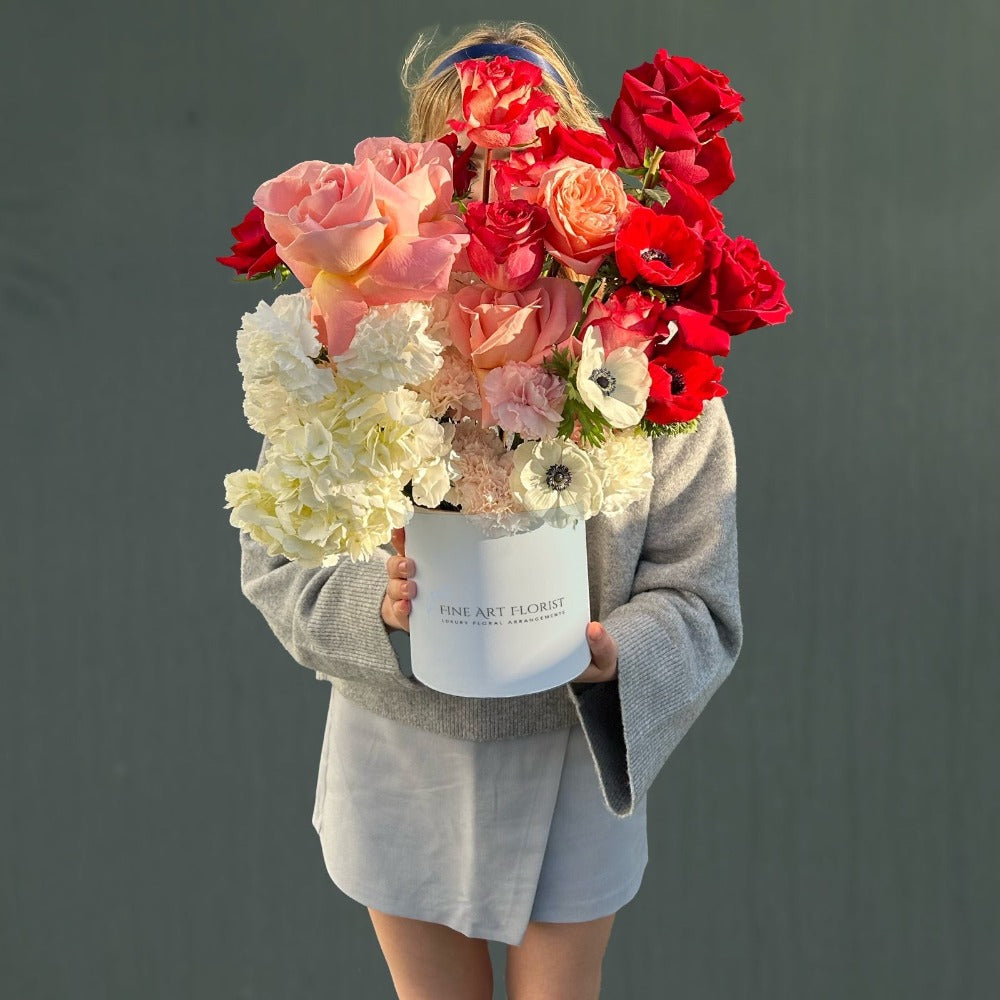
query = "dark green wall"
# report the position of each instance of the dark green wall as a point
(827, 829)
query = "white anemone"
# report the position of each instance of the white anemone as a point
(617, 385)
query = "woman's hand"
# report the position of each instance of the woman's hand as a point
(603, 655)
(400, 588)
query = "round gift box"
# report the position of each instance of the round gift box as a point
(497, 614)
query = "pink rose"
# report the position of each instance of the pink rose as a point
(525, 399)
(627, 319)
(502, 102)
(491, 327)
(356, 238)
(505, 247)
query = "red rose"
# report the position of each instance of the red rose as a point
(463, 170)
(739, 286)
(682, 380)
(750, 292)
(524, 167)
(254, 251)
(659, 248)
(662, 104)
(501, 101)
(701, 96)
(506, 248)
(704, 95)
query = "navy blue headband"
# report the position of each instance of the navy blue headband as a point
(485, 49)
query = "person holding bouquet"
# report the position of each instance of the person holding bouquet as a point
(588, 281)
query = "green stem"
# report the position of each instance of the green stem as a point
(486, 176)
(654, 166)
(588, 293)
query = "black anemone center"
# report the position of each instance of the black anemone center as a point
(558, 477)
(677, 383)
(651, 253)
(604, 378)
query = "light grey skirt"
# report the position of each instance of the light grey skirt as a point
(482, 836)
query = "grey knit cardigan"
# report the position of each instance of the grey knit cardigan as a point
(663, 582)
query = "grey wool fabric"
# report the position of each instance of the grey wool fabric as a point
(664, 582)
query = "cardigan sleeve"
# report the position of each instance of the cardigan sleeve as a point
(328, 618)
(680, 632)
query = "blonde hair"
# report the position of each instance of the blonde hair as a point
(433, 99)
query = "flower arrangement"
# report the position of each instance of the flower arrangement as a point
(435, 354)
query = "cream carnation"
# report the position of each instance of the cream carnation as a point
(276, 345)
(625, 463)
(332, 482)
(391, 348)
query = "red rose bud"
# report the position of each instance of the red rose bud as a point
(659, 248)
(501, 101)
(463, 171)
(506, 248)
(682, 380)
(254, 251)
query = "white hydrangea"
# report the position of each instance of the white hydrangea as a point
(391, 348)
(268, 407)
(556, 477)
(617, 385)
(625, 464)
(332, 481)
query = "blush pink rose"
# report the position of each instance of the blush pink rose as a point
(357, 238)
(492, 328)
(525, 399)
(413, 167)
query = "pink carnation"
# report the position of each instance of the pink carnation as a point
(525, 399)
(483, 467)
(454, 387)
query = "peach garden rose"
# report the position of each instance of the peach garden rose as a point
(586, 205)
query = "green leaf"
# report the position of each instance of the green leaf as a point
(658, 195)
(655, 430)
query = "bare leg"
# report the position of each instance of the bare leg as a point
(429, 961)
(558, 961)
